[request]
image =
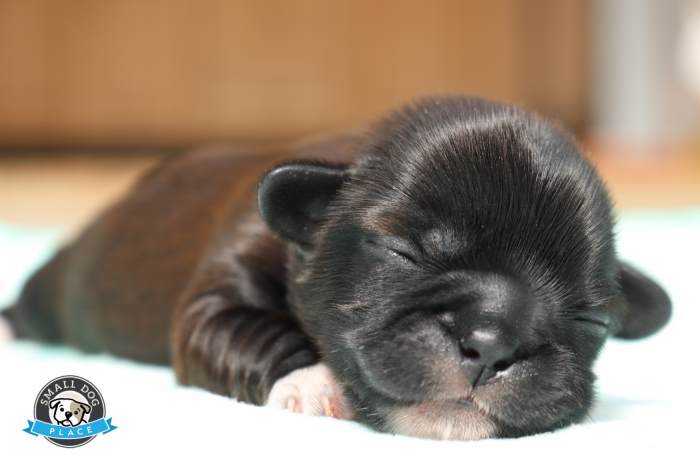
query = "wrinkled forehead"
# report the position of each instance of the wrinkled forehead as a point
(504, 183)
(450, 175)
(481, 212)
(442, 199)
(430, 229)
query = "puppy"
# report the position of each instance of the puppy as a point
(448, 273)
(68, 412)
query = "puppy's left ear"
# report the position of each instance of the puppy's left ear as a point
(645, 307)
(86, 407)
(292, 198)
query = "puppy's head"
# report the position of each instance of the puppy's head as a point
(460, 277)
(69, 412)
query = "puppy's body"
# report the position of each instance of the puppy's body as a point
(115, 288)
(188, 230)
(454, 266)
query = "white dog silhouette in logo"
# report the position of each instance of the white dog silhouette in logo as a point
(69, 412)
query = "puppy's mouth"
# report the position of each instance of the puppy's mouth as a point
(451, 410)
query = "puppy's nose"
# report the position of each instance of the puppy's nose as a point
(69, 415)
(491, 323)
(486, 352)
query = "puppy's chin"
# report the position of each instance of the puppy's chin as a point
(445, 420)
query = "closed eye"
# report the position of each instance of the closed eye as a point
(401, 254)
(594, 319)
(395, 247)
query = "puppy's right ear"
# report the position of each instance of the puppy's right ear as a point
(54, 403)
(644, 307)
(292, 198)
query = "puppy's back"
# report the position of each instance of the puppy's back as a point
(116, 286)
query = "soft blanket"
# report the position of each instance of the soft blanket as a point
(646, 411)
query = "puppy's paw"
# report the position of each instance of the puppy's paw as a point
(6, 333)
(312, 390)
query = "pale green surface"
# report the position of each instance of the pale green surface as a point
(646, 414)
(22, 249)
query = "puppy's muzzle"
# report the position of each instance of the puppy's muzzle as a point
(484, 325)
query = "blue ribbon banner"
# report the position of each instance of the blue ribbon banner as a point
(37, 427)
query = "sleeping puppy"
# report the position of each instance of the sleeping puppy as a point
(448, 273)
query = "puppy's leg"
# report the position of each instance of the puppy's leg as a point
(237, 350)
(254, 355)
(233, 334)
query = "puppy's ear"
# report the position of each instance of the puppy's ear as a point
(644, 306)
(54, 403)
(86, 407)
(292, 198)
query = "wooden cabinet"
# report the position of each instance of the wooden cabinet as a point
(145, 73)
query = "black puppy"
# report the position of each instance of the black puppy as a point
(450, 274)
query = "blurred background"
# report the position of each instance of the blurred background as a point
(93, 92)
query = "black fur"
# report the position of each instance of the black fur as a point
(448, 195)
(453, 265)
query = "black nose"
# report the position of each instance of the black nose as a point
(488, 348)
(490, 323)
(69, 415)
(486, 352)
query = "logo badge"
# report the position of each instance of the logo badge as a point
(69, 412)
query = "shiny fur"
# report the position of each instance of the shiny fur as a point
(374, 253)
